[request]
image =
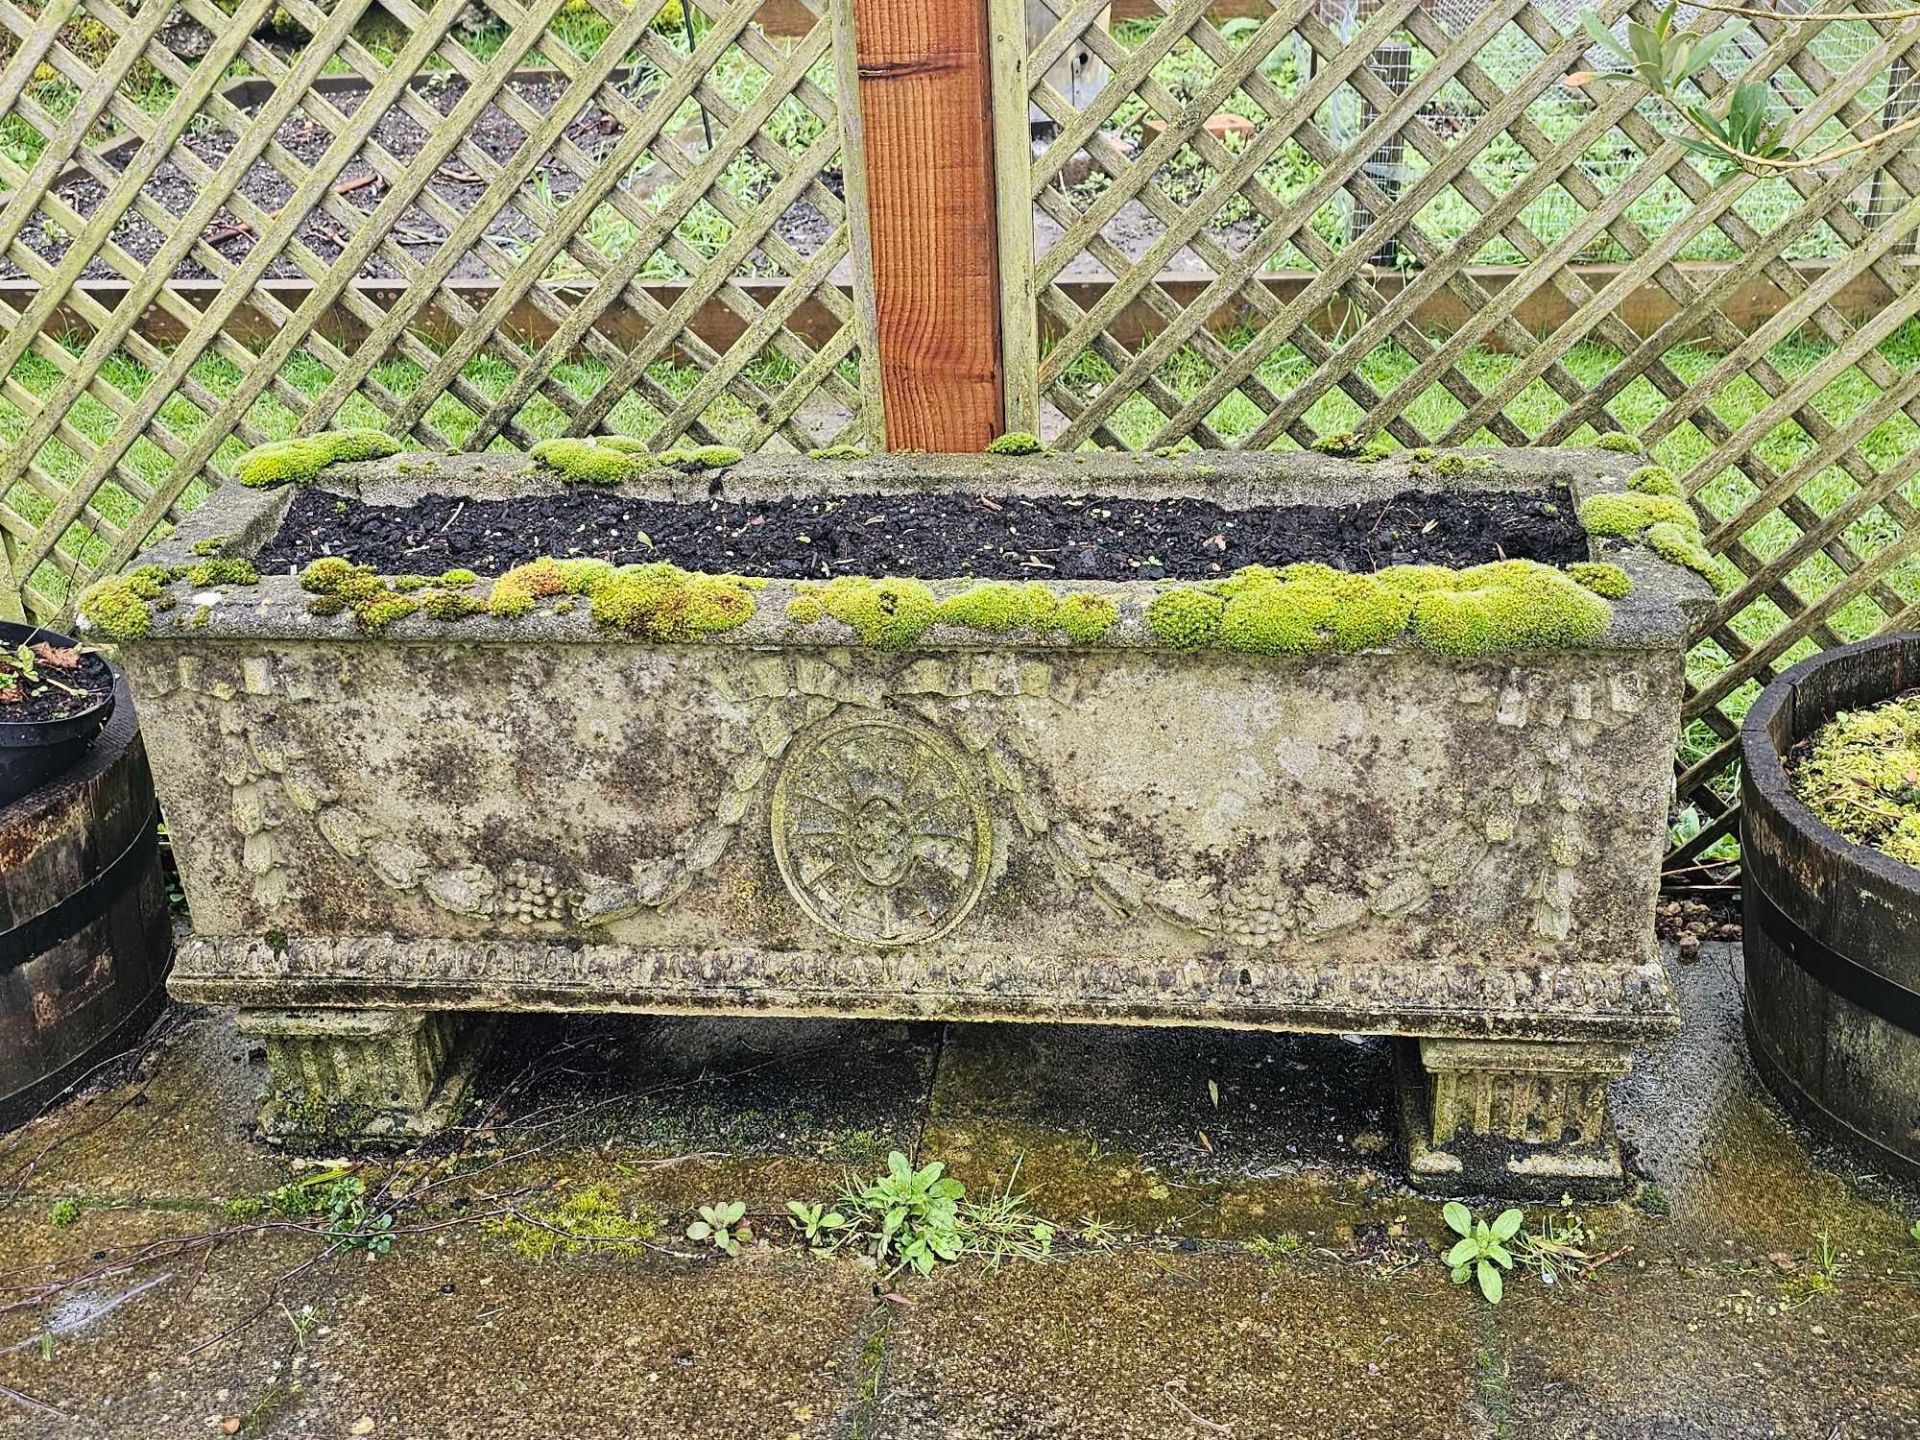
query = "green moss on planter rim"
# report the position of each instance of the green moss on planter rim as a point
(223, 572)
(1607, 581)
(1016, 442)
(1619, 442)
(702, 457)
(1626, 515)
(889, 614)
(1655, 480)
(1086, 618)
(838, 452)
(1003, 605)
(664, 602)
(298, 460)
(117, 608)
(1311, 609)
(1861, 776)
(594, 459)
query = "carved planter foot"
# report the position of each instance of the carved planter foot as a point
(1513, 1118)
(364, 1077)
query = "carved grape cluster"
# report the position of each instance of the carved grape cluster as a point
(1253, 915)
(531, 894)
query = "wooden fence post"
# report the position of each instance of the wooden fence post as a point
(926, 111)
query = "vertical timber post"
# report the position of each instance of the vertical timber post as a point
(926, 112)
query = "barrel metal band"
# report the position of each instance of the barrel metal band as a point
(1849, 979)
(49, 928)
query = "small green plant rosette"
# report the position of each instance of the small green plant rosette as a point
(1481, 1251)
(722, 1226)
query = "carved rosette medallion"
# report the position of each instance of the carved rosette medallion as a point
(881, 829)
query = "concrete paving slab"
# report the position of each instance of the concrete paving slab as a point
(1236, 1253)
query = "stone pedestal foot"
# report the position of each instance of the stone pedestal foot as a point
(364, 1077)
(1519, 1119)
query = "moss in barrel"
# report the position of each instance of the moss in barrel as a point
(1832, 927)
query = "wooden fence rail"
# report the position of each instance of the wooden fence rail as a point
(1123, 223)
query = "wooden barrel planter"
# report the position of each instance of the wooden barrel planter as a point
(1832, 927)
(84, 931)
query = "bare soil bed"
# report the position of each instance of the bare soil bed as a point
(1087, 537)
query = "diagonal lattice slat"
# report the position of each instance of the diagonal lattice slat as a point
(1274, 278)
(475, 225)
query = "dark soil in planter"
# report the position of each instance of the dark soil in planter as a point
(930, 536)
(86, 685)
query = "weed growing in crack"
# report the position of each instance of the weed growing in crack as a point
(722, 1226)
(1481, 1251)
(339, 1201)
(915, 1219)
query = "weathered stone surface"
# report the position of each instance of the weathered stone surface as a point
(533, 813)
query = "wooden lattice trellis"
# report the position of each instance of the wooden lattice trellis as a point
(518, 165)
(1130, 157)
(479, 223)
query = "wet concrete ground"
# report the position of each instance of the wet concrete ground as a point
(1235, 1254)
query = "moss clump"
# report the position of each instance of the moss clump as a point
(326, 575)
(65, 1211)
(459, 577)
(594, 459)
(1086, 619)
(1627, 515)
(325, 605)
(838, 452)
(513, 593)
(1309, 609)
(1861, 775)
(1312, 609)
(1509, 605)
(377, 613)
(1609, 582)
(805, 609)
(1342, 444)
(1655, 480)
(1450, 466)
(212, 545)
(702, 457)
(1681, 545)
(298, 460)
(583, 1220)
(1016, 442)
(664, 602)
(223, 572)
(1002, 605)
(889, 614)
(406, 584)
(452, 604)
(1185, 619)
(1619, 442)
(117, 607)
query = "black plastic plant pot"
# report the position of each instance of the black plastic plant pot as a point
(1832, 928)
(34, 752)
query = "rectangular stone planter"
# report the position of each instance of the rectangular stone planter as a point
(538, 814)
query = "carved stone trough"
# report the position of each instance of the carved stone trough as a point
(383, 839)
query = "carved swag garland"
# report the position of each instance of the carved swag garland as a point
(892, 811)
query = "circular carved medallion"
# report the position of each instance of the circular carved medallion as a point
(881, 829)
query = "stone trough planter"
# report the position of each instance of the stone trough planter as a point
(385, 837)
